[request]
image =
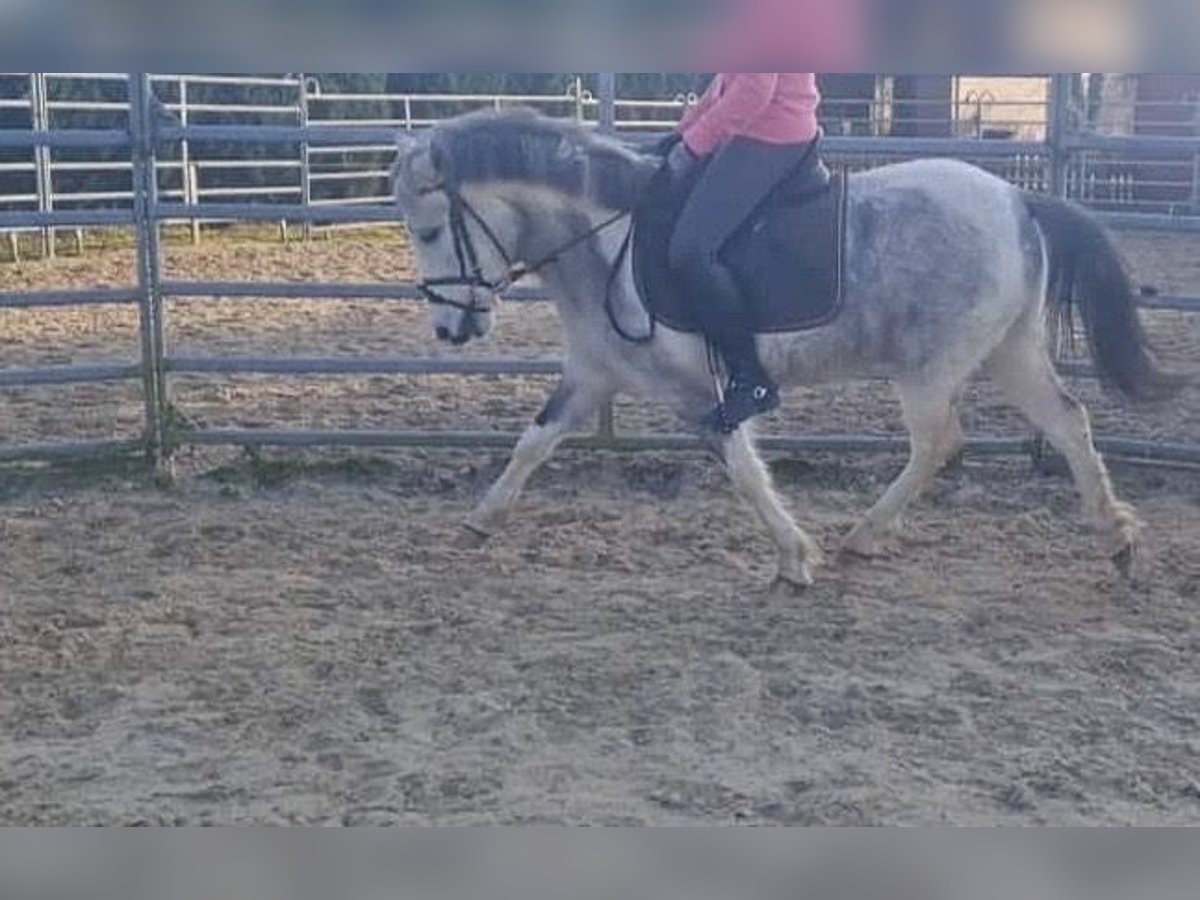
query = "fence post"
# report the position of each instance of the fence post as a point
(1058, 127)
(575, 93)
(189, 175)
(305, 158)
(608, 102)
(191, 196)
(607, 93)
(1196, 183)
(145, 202)
(40, 112)
(1195, 210)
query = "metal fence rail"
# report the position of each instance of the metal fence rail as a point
(152, 203)
(311, 167)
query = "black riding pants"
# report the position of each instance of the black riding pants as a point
(734, 183)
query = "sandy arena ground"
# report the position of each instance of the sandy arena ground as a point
(297, 639)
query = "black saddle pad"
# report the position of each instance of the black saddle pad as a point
(788, 256)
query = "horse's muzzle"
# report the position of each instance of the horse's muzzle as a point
(457, 338)
(470, 327)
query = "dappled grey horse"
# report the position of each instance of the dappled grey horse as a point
(949, 270)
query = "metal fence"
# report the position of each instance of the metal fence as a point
(306, 172)
(155, 137)
(1012, 113)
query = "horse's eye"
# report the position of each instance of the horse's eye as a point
(429, 237)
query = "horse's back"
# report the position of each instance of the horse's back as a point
(933, 206)
(939, 258)
(943, 189)
(926, 172)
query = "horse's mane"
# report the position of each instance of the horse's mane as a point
(522, 145)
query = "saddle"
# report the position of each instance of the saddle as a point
(788, 257)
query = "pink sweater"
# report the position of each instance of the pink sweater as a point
(777, 108)
(826, 35)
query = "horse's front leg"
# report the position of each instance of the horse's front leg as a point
(571, 409)
(798, 553)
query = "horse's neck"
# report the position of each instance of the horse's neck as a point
(553, 225)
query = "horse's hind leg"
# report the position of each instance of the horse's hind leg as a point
(1022, 367)
(955, 442)
(936, 436)
(798, 554)
(569, 410)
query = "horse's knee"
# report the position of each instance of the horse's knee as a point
(954, 443)
(1069, 407)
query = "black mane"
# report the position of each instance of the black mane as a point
(522, 145)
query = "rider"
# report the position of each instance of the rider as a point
(752, 129)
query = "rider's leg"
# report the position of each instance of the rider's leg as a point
(725, 320)
(732, 186)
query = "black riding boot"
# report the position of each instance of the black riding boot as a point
(750, 391)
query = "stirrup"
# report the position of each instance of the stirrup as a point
(742, 401)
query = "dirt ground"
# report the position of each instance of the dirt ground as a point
(297, 639)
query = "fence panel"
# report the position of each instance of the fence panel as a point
(46, 211)
(321, 159)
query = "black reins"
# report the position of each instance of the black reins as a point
(470, 272)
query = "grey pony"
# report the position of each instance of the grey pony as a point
(949, 271)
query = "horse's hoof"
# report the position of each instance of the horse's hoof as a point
(471, 538)
(956, 462)
(791, 585)
(785, 587)
(860, 543)
(1123, 559)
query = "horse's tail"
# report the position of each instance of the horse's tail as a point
(1088, 274)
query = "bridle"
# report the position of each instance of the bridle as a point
(470, 272)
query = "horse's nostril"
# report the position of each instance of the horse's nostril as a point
(443, 333)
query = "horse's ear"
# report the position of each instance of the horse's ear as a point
(413, 169)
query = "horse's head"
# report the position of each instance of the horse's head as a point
(488, 191)
(458, 265)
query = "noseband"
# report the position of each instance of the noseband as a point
(470, 272)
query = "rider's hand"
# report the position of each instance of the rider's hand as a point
(681, 161)
(664, 146)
